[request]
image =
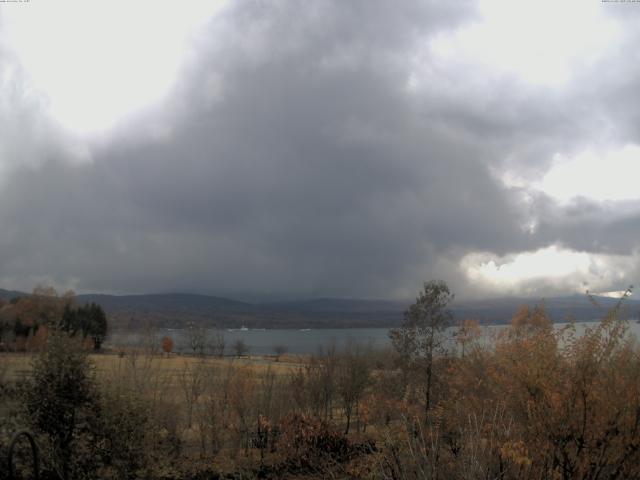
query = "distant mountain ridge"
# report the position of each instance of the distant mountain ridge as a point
(170, 301)
(175, 310)
(560, 309)
(7, 295)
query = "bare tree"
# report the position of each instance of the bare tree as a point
(354, 376)
(192, 382)
(240, 347)
(217, 343)
(467, 335)
(210, 413)
(279, 350)
(150, 344)
(198, 339)
(321, 375)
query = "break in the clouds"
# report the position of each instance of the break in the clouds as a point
(322, 148)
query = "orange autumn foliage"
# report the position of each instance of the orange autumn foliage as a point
(167, 344)
(540, 403)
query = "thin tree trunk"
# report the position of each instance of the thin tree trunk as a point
(348, 414)
(428, 386)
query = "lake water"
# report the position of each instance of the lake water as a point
(302, 341)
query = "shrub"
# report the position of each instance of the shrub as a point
(167, 345)
(61, 402)
(123, 434)
(313, 445)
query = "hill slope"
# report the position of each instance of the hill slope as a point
(175, 310)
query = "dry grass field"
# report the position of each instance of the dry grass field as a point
(15, 366)
(178, 386)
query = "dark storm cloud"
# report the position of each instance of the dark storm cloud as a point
(584, 225)
(293, 159)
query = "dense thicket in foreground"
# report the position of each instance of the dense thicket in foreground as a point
(533, 403)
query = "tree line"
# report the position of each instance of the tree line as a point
(25, 321)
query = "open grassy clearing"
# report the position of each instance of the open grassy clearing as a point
(15, 366)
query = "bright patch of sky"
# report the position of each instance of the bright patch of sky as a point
(539, 42)
(609, 175)
(605, 175)
(96, 62)
(613, 294)
(555, 265)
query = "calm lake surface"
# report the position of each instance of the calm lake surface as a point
(303, 341)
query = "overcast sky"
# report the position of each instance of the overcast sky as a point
(320, 148)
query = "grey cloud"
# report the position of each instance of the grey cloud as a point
(294, 161)
(609, 227)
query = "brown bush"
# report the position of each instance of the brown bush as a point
(167, 345)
